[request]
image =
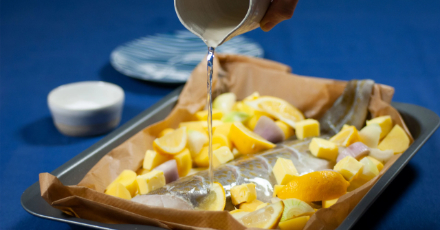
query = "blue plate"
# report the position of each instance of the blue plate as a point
(170, 58)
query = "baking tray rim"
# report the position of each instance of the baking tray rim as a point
(427, 124)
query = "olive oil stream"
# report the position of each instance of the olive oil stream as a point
(212, 37)
(210, 66)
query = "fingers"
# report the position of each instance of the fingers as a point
(278, 11)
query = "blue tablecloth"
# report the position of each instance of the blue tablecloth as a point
(47, 43)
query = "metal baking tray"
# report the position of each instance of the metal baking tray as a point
(421, 122)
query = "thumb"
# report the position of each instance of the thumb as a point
(278, 11)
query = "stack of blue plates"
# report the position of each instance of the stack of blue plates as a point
(170, 58)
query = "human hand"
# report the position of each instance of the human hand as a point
(278, 11)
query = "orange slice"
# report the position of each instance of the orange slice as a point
(171, 143)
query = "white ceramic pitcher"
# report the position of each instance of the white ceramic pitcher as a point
(216, 21)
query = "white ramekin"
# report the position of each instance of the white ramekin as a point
(86, 108)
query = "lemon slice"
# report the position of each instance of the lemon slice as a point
(278, 108)
(216, 199)
(171, 143)
(267, 217)
(238, 215)
(347, 136)
(165, 131)
(246, 141)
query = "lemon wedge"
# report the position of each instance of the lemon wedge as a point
(237, 211)
(222, 140)
(203, 115)
(278, 108)
(216, 199)
(202, 160)
(266, 217)
(238, 215)
(347, 136)
(165, 131)
(171, 143)
(287, 130)
(315, 186)
(246, 141)
(294, 224)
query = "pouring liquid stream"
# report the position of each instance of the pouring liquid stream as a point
(213, 37)
(210, 65)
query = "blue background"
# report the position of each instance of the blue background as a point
(47, 43)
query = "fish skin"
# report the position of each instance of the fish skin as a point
(350, 108)
(256, 168)
(163, 201)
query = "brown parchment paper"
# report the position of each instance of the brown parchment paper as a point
(232, 73)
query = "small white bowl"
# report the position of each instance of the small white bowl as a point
(86, 108)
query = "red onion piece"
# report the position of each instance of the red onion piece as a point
(169, 169)
(269, 130)
(356, 150)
